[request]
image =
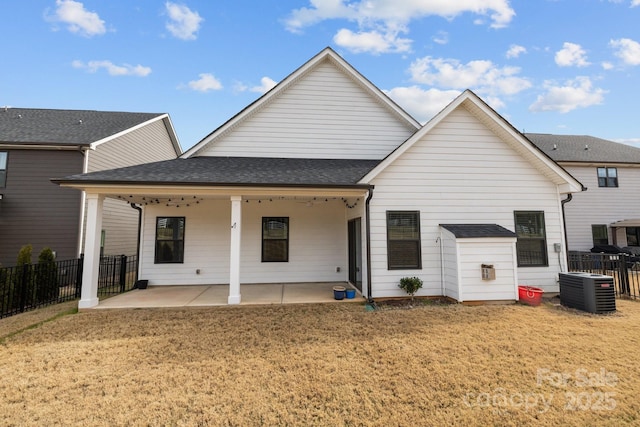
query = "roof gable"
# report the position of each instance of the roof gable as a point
(499, 126)
(72, 128)
(323, 109)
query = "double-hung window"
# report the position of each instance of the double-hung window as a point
(531, 245)
(275, 239)
(403, 240)
(3, 169)
(607, 177)
(169, 239)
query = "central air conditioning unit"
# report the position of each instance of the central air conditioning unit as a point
(594, 293)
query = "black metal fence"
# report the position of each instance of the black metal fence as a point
(30, 286)
(624, 268)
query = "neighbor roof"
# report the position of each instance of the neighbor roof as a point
(583, 148)
(478, 230)
(32, 126)
(245, 171)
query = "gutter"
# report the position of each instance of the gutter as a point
(139, 209)
(368, 232)
(564, 225)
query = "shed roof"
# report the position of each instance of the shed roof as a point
(33, 126)
(223, 171)
(584, 148)
(478, 230)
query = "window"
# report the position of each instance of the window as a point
(633, 236)
(607, 177)
(3, 169)
(532, 241)
(599, 234)
(403, 240)
(275, 239)
(169, 240)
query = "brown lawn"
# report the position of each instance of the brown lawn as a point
(331, 364)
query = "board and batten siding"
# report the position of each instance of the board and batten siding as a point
(150, 143)
(460, 172)
(34, 210)
(450, 267)
(317, 243)
(601, 205)
(326, 114)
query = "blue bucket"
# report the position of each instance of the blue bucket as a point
(350, 293)
(339, 292)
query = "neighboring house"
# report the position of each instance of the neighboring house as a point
(324, 178)
(39, 144)
(609, 211)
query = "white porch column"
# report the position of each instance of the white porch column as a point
(234, 267)
(89, 295)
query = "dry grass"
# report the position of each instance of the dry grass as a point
(333, 364)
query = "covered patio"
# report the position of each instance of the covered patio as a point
(216, 295)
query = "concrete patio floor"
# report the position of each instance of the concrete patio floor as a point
(215, 295)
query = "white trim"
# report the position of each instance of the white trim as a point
(235, 250)
(95, 144)
(91, 267)
(83, 199)
(566, 183)
(284, 84)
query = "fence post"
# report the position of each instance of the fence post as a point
(123, 272)
(623, 272)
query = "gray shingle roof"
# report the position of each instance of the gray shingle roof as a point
(572, 148)
(32, 126)
(478, 230)
(235, 171)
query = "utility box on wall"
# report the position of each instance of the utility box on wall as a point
(488, 272)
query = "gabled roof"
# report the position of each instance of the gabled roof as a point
(325, 54)
(496, 123)
(71, 128)
(584, 149)
(478, 230)
(233, 171)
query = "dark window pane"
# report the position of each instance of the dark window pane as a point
(633, 237)
(403, 240)
(169, 240)
(531, 245)
(531, 252)
(607, 177)
(275, 239)
(600, 235)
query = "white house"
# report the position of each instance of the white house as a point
(609, 211)
(324, 178)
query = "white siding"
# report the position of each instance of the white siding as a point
(149, 143)
(601, 205)
(325, 114)
(460, 172)
(317, 243)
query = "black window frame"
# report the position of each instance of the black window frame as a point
(607, 180)
(635, 232)
(393, 244)
(599, 229)
(178, 256)
(3, 168)
(267, 254)
(525, 239)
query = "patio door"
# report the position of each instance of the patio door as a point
(355, 252)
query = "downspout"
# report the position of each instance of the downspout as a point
(83, 202)
(139, 209)
(368, 231)
(564, 225)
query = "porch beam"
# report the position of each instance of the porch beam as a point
(234, 267)
(91, 267)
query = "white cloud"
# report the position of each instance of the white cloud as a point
(571, 54)
(626, 49)
(422, 104)
(266, 84)
(576, 93)
(606, 65)
(635, 3)
(441, 38)
(371, 41)
(515, 51)
(78, 19)
(380, 21)
(184, 22)
(112, 69)
(206, 83)
(482, 76)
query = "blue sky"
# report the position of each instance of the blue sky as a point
(548, 66)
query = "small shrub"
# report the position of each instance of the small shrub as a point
(22, 291)
(46, 277)
(410, 285)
